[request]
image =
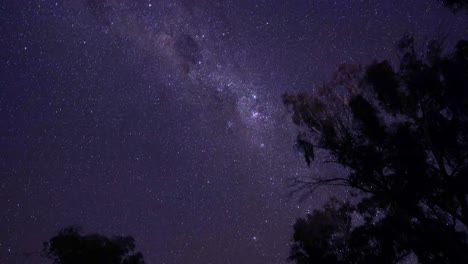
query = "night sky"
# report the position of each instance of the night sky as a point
(162, 119)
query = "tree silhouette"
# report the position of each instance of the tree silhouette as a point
(456, 5)
(321, 237)
(402, 136)
(70, 247)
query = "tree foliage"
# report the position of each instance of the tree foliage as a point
(402, 135)
(456, 5)
(70, 247)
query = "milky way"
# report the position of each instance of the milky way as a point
(163, 119)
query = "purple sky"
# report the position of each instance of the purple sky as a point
(163, 119)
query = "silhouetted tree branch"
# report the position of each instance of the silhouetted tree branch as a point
(402, 135)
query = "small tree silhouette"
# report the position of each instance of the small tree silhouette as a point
(70, 247)
(456, 5)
